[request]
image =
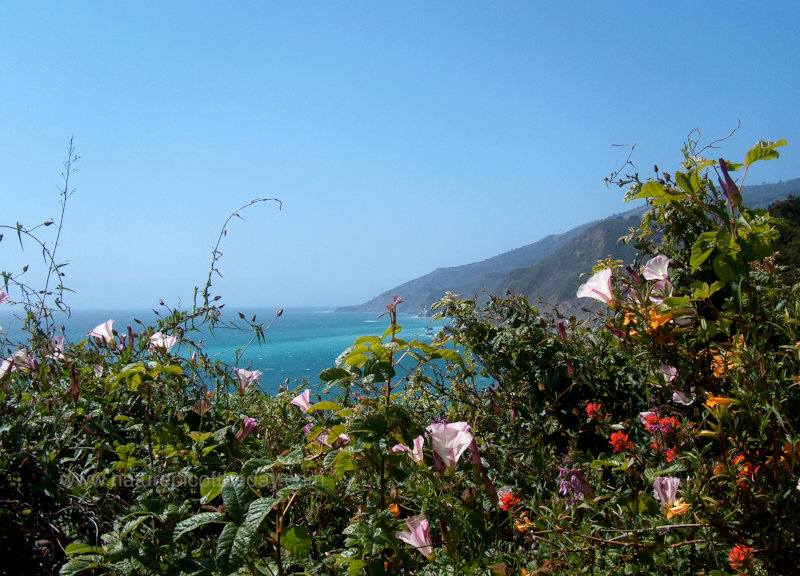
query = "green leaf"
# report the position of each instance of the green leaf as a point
(324, 405)
(297, 540)
(343, 462)
(80, 564)
(196, 521)
(200, 436)
(236, 495)
(210, 488)
(702, 249)
(764, 150)
(333, 374)
(231, 551)
(648, 190)
(79, 549)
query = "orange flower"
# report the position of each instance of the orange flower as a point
(523, 523)
(592, 409)
(657, 320)
(713, 401)
(678, 508)
(619, 441)
(741, 558)
(394, 509)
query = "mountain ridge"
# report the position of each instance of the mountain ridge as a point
(549, 268)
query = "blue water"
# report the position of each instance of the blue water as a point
(300, 344)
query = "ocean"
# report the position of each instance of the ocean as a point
(301, 343)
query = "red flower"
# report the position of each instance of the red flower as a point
(509, 502)
(741, 558)
(593, 409)
(619, 441)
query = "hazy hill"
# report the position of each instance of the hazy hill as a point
(549, 268)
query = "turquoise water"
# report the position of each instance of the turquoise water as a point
(300, 344)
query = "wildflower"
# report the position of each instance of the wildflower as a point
(394, 509)
(669, 373)
(303, 400)
(729, 186)
(656, 320)
(415, 453)
(661, 289)
(741, 558)
(670, 454)
(619, 441)
(104, 331)
(3, 296)
(745, 472)
(593, 410)
(524, 523)
(162, 342)
(598, 287)
(572, 484)
(657, 268)
(250, 424)
(507, 499)
(665, 489)
(418, 536)
(680, 397)
(713, 401)
(450, 441)
(58, 349)
(245, 378)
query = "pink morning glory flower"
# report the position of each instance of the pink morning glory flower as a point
(598, 287)
(450, 441)
(418, 535)
(162, 341)
(415, 453)
(303, 400)
(245, 378)
(250, 424)
(104, 331)
(665, 489)
(657, 268)
(3, 296)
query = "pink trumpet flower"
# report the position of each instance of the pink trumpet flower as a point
(3, 296)
(657, 268)
(598, 287)
(450, 441)
(250, 424)
(415, 453)
(245, 378)
(303, 400)
(104, 331)
(418, 536)
(162, 342)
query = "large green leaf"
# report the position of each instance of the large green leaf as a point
(702, 249)
(297, 540)
(210, 488)
(324, 405)
(196, 521)
(236, 495)
(333, 374)
(764, 150)
(230, 550)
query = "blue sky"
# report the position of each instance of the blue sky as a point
(400, 136)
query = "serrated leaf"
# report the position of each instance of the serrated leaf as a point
(230, 553)
(196, 521)
(297, 540)
(764, 150)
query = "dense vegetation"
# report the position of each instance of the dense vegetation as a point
(659, 436)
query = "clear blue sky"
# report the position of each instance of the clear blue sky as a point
(400, 136)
